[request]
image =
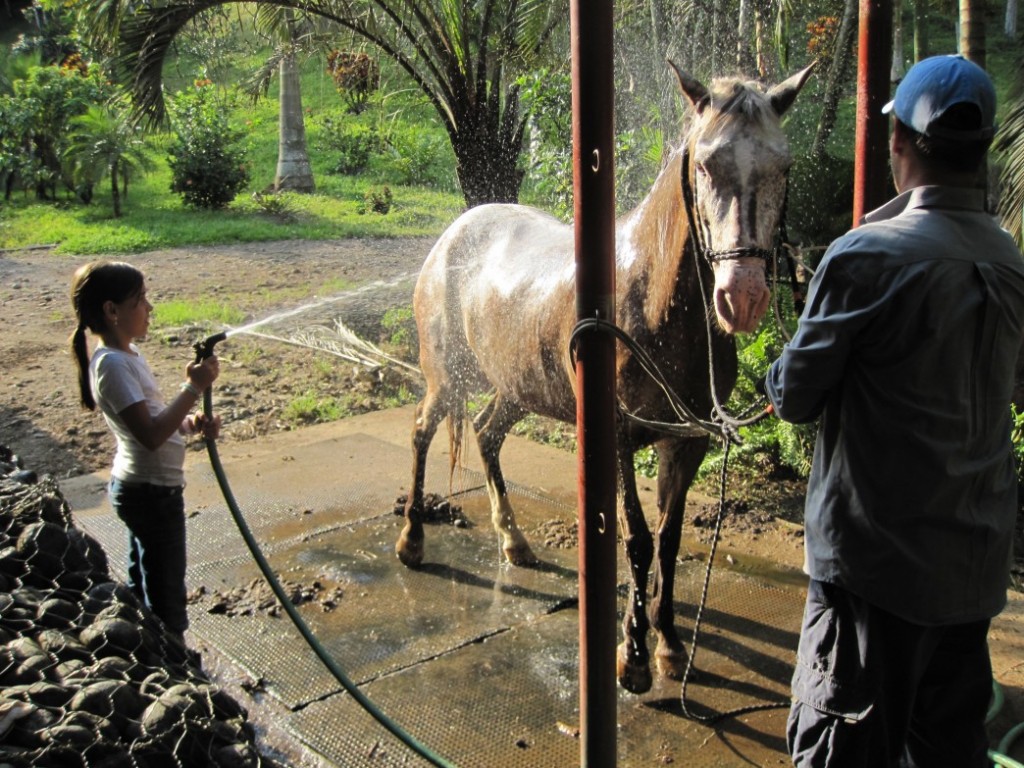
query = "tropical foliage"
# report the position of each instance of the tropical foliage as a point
(1010, 144)
(207, 162)
(472, 97)
(104, 142)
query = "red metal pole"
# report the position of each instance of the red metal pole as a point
(871, 163)
(591, 25)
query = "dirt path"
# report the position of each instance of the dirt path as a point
(40, 418)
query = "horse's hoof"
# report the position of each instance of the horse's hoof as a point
(410, 552)
(634, 677)
(520, 555)
(671, 663)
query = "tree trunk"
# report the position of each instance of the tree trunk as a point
(744, 54)
(1010, 24)
(972, 31)
(488, 170)
(920, 30)
(293, 170)
(898, 69)
(114, 189)
(659, 51)
(762, 46)
(841, 57)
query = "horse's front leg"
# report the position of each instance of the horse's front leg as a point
(633, 661)
(409, 547)
(678, 462)
(492, 426)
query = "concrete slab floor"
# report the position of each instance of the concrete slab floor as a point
(474, 659)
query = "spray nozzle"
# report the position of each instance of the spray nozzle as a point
(204, 349)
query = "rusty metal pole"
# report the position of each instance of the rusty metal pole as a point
(871, 162)
(593, 105)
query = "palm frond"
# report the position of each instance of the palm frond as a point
(146, 39)
(1009, 143)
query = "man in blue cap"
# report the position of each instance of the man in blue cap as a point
(906, 352)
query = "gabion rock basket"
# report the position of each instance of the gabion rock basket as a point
(88, 676)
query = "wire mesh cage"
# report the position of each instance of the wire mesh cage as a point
(88, 675)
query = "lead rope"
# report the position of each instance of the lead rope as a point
(728, 436)
(724, 426)
(691, 427)
(778, 704)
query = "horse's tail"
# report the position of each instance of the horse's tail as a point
(456, 423)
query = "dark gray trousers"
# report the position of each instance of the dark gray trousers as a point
(873, 690)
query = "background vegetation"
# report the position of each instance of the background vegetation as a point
(82, 174)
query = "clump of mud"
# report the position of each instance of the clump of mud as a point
(436, 509)
(558, 534)
(88, 676)
(257, 597)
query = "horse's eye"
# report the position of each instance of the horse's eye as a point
(700, 169)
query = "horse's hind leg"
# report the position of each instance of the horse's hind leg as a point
(429, 413)
(492, 425)
(678, 462)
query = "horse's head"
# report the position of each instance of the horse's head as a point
(734, 180)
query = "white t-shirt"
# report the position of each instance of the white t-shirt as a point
(120, 379)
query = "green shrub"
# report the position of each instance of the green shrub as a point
(546, 98)
(351, 142)
(279, 205)
(411, 155)
(645, 461)
(308, 408)
(35, 124)
(207, 166)
(771, 443)
(377, 200)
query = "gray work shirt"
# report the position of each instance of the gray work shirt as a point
(906, 350)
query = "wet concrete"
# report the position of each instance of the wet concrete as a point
(474, 659)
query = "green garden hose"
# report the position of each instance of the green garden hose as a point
(205, 349)
(999, 756)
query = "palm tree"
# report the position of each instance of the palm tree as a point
(462, 54)
(837, 78)
(105, 142)
(972, 31)
(293, 168)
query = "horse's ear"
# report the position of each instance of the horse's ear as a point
(692, 88)
(783, 94)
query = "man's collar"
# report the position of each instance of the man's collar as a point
(963, 198)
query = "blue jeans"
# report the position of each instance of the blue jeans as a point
(155, 516)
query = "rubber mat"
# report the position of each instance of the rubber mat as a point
(474, 658)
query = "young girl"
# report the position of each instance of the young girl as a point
(147, 478)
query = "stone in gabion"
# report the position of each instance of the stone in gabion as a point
(88, 676)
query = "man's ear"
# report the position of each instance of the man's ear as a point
(899, 137)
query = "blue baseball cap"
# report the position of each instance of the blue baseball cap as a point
(935, 84)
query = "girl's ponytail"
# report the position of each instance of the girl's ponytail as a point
(80, 353)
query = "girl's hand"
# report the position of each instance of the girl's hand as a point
(204, 373)
(209, 428)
